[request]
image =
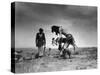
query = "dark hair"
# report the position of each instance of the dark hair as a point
(55, 29)
(41, 30)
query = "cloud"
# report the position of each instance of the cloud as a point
(84, 12)
(76, 19)
(47, 13)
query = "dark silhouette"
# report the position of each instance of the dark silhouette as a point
(55, 29)
(40, 42)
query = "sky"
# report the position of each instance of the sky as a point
(80, 21)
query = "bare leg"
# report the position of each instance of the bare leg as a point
(40, 51)
(74, 46)
(60, 49)
(66, 45)
(44, 51)
(66, 50)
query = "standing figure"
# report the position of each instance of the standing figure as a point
(40, 42)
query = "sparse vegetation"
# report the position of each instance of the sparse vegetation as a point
(84, 58)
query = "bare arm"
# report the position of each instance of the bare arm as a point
(44, 39)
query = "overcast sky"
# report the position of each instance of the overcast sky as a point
(80, 21)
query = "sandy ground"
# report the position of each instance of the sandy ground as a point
(84, 58)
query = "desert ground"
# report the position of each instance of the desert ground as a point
(83, 58)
